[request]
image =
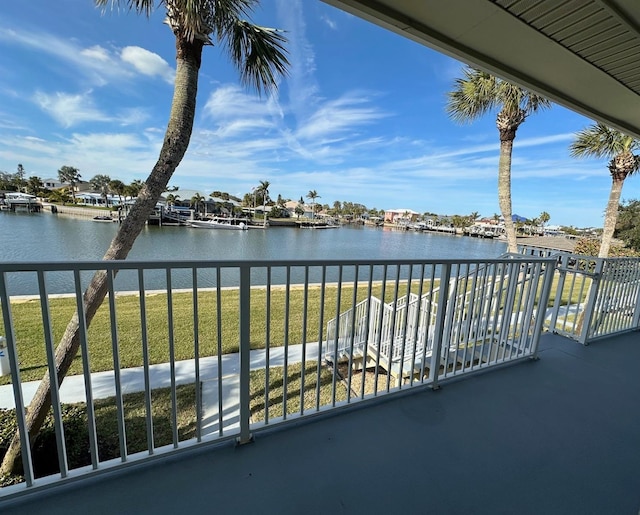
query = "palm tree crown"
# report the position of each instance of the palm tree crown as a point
(257, 52)
(313, 195)
(601, 141)
(478, 93)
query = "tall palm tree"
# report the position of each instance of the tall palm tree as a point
(264, 189)
(101, 183)
(19, 177)
(544, 218)
(34, 185)
(196, 202)
(313, 195)
(604, 142)
(71, 176)
(119, 188)
(134, 188)
(171, 199)
(479, 93)
(260, 57)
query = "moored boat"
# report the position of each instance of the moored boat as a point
(217, 224)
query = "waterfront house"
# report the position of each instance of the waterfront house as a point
(400, 216)
(53, 184)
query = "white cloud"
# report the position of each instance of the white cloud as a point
(99, 65)
(231, 102)
(97, 53)
(329, 22)
(302, 84)
(340, 116)
(69, 110)
(147, 63)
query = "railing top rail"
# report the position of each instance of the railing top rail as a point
(31, 266)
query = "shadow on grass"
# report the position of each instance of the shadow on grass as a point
(277, 396)
(75, 422)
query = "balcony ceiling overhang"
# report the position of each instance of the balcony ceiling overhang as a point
(583, 54)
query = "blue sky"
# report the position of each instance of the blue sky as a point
(360, 118)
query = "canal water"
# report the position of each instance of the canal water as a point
(49, 237)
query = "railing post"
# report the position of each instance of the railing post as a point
(245, 350)
(441, 311)
(636, 310)
(591, 302)
(562, 274)
(16, 382)
(542, 306)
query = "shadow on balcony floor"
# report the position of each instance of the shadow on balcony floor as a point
(559, 435)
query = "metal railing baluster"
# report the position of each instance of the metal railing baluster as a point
(53, 376)
(285, 350)
(267, 348)
(16, 382)
(115, 349)
(86, 370)
(305, 307)
(245, 353)
(196, 351)
(219, 349)
(145, 361)
(172, 361)
(323, 285)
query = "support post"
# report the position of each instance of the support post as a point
(245, 349)
(443, 297)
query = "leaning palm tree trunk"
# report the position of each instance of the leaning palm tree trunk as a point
(504, 193)
(610, 219)
(611, 214)
(173, 149)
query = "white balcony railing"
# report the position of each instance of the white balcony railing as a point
(195, 352)
(594, 298)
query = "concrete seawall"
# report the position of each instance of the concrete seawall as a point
(78, 212)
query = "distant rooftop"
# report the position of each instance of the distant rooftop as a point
(560, 243)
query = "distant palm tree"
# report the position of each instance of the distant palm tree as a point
(601, 141)
(172, 199)
(101, 183)
(71, 176)
(478, 93)
(544, 218)
(135, 187)
(258, 54)
(264, 189)
(34, 185)
(119, 188)
(313, 195)
(196, 202)
(19, 177)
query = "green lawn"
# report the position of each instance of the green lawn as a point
(217, 323)
(28, 325)
(75, 417)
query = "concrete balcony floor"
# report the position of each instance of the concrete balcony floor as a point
(559, 435)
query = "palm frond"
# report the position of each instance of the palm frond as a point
(258, 53)
(472, 96)
(599, 140)
(145, 7)
(479, 92)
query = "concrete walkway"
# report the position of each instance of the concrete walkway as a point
(132, 380)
